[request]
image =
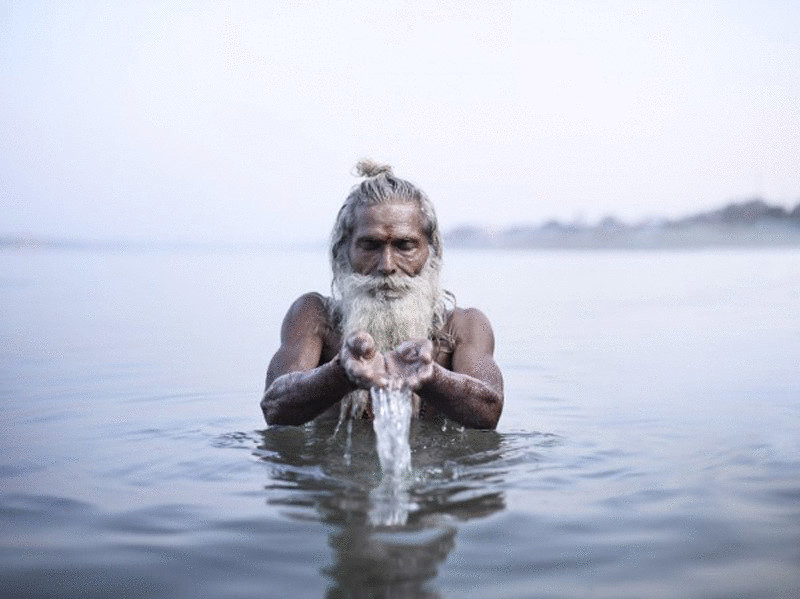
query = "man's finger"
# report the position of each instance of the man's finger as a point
(361, 345)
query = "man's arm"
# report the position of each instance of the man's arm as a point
(298, 388)
(472, 393)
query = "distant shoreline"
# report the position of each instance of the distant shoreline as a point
(749, 224)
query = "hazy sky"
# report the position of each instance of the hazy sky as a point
(242, 120)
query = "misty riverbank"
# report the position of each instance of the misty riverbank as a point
(753, 223)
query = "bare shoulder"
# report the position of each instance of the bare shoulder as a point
(306, 326)
(303, 336)
(309, 314)
(312, 302)
(470, 326)
(473, 347)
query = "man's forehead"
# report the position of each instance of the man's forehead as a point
(395, 218)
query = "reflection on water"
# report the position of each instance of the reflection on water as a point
(372, 564)
(456, 475)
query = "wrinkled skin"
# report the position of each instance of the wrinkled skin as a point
(410, 365)
(364, 365)
(314, 368)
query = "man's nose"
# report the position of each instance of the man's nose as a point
(386, 264)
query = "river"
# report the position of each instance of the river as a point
(649, 446)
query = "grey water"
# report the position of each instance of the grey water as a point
(649, 445)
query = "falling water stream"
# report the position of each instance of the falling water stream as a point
(392, 408)
(390, 500)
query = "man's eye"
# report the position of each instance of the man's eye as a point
(368, 244)
(405, 245)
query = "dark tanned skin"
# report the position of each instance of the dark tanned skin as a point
(314, 368)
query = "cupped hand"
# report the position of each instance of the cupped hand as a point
(410, 364)
(364, 365)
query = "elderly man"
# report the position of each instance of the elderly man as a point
(387, 323)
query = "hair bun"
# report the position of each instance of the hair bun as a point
(370, 168)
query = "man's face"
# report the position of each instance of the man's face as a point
(392, 290)
(388, 239)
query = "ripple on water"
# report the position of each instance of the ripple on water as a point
(457, 473)
(57, 547)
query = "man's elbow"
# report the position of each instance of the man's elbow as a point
(269, 409)
(488, 416)
(482, 423)
(276, 414)
(494, 409)
(490, 423)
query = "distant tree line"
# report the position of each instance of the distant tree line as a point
(752, 222)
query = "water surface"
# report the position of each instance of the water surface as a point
(649, 446)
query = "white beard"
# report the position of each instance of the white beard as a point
(392, 310)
